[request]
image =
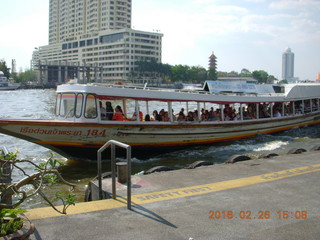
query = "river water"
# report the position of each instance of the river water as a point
(40, 104)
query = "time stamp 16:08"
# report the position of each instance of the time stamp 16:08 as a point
(258, 214)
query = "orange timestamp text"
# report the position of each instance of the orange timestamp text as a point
(257, 214)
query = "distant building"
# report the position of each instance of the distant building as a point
(213, 62)
(69, 20)
(13, 66)
(238, 79)
(94, 34)
(35, 59)
(288, 65)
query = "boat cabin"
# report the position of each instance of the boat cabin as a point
(215, 102)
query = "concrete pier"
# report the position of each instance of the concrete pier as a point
(276, 198)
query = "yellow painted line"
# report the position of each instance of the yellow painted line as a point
(85, 207)
(220, 186)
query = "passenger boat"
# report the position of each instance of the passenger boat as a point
(238, 111)
(5, 85)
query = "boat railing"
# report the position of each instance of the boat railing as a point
(189, 91)
(113, 144)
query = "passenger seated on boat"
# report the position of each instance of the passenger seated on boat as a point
(189, 116)
(246, 116)
(181, 117)
(195, 115)
(215, 115)
(174, 118)
(161, 113)
(134, 116)
(118, 115)
(264, 113)
(109, 110)
(181, 111)
(277, 113)
(147, 118)
(103, 111)
(165, 117)
(205, 115)
(211, 112)
(156, 116)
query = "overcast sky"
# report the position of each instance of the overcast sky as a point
(249, 34)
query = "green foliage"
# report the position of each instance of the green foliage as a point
(10, 156)
(212, 74)
(261, 76)
(4, 68)
(152, 68)
(245, 73)
(50, 164)
(45, 173)
(51, 178)
(66, 199)
(27, 76)
(10, 221)
(194, 74)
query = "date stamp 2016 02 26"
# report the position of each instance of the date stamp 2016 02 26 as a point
(257, 214)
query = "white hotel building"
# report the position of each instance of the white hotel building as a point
(288, 65)
(97, 33)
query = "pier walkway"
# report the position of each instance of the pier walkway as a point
(277, 198)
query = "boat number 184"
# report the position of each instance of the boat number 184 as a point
(96, 132)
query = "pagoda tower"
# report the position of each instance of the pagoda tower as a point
(213, 62)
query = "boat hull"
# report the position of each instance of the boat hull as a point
(82, 140)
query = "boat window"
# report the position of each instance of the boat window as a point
(67, 105)
(79, 104)
(91, 106)
(58, 101)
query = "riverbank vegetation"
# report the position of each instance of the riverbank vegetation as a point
(22, 77)
(170, 74)
(193, 74)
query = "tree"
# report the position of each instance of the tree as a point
(271, 79)
(153, 69)
(212, 74)
(180, 73)
(4, 69)
(284, 81)
(12, 194)
(46, 173)
(28, 76)
(261, 76)
(245, 73)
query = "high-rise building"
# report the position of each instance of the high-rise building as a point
(97, 33)
(13, 66)
(288, 65)
(69, 19)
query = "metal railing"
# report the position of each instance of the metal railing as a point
(113, 144)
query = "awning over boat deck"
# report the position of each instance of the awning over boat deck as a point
(302, 91)
(237, 87)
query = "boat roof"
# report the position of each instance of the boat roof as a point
(262, 93)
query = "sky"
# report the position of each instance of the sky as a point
(249, 34)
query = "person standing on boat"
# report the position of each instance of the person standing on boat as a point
(109, 110)
(103, 112)
(118, 115)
